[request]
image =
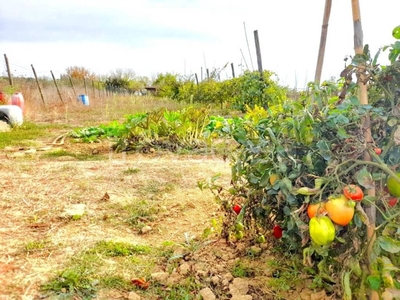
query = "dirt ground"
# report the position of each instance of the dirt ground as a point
(37, 193)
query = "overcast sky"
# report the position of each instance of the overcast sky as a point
(178, 36)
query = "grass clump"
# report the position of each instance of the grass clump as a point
(78, 156)
(26, 134)
(88, 272)
(110, 248)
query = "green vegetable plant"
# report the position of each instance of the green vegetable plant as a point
(319, 139)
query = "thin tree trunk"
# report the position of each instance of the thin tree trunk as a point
(322, 43)
(366, 126)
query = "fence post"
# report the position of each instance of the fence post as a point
(8, 70)
(72, 85)
(58, 90)
(37, 82)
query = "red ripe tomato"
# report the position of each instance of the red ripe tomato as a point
(237, 208)
(353, 192)
(277, 232)
(378, 151)
(392, 201)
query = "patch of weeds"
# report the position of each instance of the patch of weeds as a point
(26, 134)
(184, 291)
(33, 246)
(115, 282)
(110, 248)
(140, 213)
(215, 228)
(284, 276)
(78, 156)
(240, 269)
(130, 171)
(72, 283)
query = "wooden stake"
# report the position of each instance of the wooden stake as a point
(258, 50)
(58, 90)
(73, 88)
(8, 70)
(197, 79)
(233, 70)
(94, 94)
(38, 85)
(322, 43)
(366, 127)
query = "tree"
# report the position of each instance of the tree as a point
(79, 73)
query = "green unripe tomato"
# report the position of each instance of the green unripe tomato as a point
(393, 186)
(322, 230)
(239, 226)
(239, 235)
(260, 239)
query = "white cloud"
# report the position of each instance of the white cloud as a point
(157, 36)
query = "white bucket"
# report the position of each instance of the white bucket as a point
(12, 114)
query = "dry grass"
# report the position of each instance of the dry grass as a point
(37, 237)
(103, 107)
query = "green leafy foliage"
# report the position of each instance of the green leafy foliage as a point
(321, 137)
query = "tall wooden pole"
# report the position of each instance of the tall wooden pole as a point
(233, 70)
(366, 127)
(37, 82)
(55, 83)
(258, 51)
(8, 70)
(322, 43)
(73, 87)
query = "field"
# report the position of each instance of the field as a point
(80, 221)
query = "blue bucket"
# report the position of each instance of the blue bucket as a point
(84, 99)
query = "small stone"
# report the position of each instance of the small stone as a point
(160, 276)
(174, 278)
(215, 279)
(239, 286)
(146, 229)
(201, 273)
(207, 294)
(184, 269)
(133, 296)
(321, 295)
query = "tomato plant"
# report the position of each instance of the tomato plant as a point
(317, 139)
(353, 192)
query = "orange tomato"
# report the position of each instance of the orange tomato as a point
(314, 209)
(340, 210)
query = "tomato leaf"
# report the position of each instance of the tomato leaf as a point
(324, 150)
(390, 229)
(364, 178)
(388, 244)
(375, 282)
(346, 285)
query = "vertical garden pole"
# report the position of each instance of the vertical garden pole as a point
(322, 43)
(366, 127)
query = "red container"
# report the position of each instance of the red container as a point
(18, 99)
(2, 98)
